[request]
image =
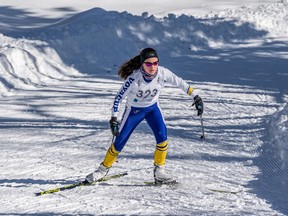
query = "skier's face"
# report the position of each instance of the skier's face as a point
(150, 65)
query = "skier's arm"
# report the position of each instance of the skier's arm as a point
(122, 93)
(176, 81)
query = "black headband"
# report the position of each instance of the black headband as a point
(147, 53)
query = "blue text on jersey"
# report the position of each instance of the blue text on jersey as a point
(119, 96)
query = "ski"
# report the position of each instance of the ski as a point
(171, 183)
(79, 184)
(224, 191)
(175, 183)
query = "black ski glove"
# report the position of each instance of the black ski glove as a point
(198, 105)
(114, 125)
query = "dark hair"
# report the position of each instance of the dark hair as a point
(128, 67)
(135, 63)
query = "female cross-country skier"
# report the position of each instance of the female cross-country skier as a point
(144, 80)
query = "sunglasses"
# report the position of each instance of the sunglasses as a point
(149, 64)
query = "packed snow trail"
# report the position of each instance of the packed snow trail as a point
(55, 135)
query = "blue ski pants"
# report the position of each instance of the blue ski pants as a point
(132, 116)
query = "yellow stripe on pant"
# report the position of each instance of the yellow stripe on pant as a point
(111, 156)
(160, 153)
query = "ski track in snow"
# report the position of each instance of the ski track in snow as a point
(54, 120)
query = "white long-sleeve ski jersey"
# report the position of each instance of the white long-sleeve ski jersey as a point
(141, 93)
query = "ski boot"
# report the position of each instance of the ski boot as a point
(161, 177)
(97, 174)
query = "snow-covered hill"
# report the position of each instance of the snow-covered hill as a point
(58, 81)
(24, 65)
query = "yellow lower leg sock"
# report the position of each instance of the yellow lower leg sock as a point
(160, 153)
(111, 156)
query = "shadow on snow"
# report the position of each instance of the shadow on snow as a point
(181, 41)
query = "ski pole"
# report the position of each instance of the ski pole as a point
(202, 137)
(113, 138)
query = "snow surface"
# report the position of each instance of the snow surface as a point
(58, 66)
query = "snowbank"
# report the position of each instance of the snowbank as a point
(98, 41)
(25, 64)
(272, 180)
(272, 17)
(279, 135)
(101, 40)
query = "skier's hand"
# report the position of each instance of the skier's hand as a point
(198, 105)
(114, 125)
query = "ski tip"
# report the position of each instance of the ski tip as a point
(225, 191)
